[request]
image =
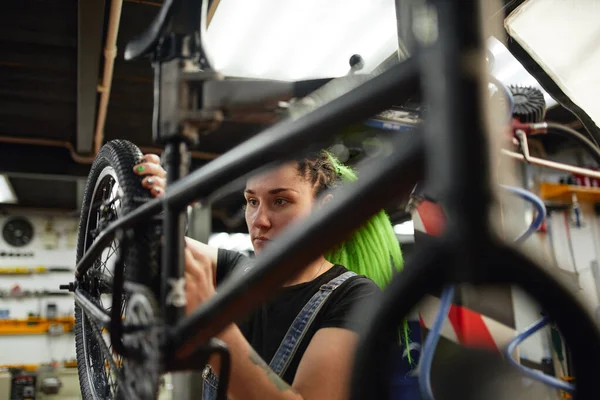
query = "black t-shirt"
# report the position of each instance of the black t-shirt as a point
(266, 326)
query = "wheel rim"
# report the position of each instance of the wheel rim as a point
(105, 206)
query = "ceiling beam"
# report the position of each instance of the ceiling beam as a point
(37, 175)
(45, 161)
(90, 26)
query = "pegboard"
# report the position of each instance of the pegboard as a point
(53, 244)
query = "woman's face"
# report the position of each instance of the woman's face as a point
(275, 199)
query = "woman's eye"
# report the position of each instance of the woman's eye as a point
(251, 202)
(281, 202)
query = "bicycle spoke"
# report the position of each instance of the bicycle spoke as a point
(103, 362)
(112, 365)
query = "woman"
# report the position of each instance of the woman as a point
(271, 360)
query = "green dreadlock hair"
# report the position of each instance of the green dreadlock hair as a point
(373, 250)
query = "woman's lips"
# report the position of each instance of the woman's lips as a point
(260, 241)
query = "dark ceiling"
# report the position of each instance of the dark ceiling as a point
(51, 65)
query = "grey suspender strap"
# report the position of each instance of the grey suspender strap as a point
(298, 329)
(292, 339)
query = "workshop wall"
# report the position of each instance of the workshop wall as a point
(537, 348)
(48, 244)
(526, 311)
(571, 250)
(574, 247)
(568, 249)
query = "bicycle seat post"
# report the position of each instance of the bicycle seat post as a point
(177, 123)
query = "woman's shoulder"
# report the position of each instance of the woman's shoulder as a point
(356, 282)
(355, 289)
(347, 305)
(229, 261)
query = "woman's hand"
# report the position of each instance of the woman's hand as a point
(199, 278)
(154, 174)
(200, 259)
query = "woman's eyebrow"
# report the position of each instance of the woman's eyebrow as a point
(279, 190)
(273, 191)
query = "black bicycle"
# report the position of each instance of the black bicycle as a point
(138, 300)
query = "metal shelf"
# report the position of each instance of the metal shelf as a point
(37, 326)
(560, 192)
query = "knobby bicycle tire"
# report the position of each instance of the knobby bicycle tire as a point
(115, 161)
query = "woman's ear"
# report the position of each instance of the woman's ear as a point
(325, 199)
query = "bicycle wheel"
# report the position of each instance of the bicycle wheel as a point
(112, 190)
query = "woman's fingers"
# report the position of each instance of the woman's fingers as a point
(199, 285)
(192, 267)
(191, 288)
(155, 184)
(190, 283)
(198, 255)
(150, 158)
(149, 168)
(154, 174)
(198, 266)
(154, 181)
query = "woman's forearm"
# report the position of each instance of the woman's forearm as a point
(251, 378)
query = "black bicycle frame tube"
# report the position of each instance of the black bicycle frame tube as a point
(302, 243)
(275, 143)
(283, 140)
(152, 207)
(453, 70)
(177, 166)
(92, 310)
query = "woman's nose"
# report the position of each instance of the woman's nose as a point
(261, 218)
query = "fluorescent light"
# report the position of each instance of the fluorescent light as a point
(562, 37)
(405, 228)
(7, 194)
(218, 239)
(236, 241)
(300, 39)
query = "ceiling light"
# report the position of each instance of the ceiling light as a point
(562, 37)
(300, 39)
(7, 194)
(303, 39)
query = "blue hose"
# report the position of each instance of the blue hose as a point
(431, 343)
(533, 374)
(448, 295)
(537, 375)
(539, 206)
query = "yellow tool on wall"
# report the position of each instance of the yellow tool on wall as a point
(32, 270)
(35, 367)
(25, 367)
(64, 364)
(36, 325)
